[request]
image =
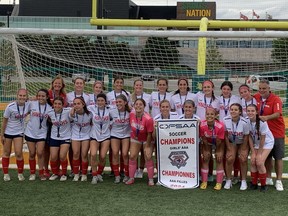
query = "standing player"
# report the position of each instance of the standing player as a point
(97, 89)
(120, 136)
(141, 134)
(246, 98)
(261, 142)
(79, 84)
(212, 133)
(36, 132)
(189, 109)
(165, 112)
(60, 138)
(81, 128)
(181, 95)
(12, 131)
(236, 139)
(270, 106)
(157, 97)
(100, 136)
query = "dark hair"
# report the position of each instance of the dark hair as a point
(59, 99)
(213, 95)
(245, 86)
(164, 101)
(124, 98)
(84, 104)
(265, 81)
(163, 79)
(140, 99)
(120, 78)
(189, 102)
(239, 106)
(227, 83)
(257, 119)
(179, 80)
(48, 101)
(102, 95)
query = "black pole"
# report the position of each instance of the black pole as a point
(8, 18)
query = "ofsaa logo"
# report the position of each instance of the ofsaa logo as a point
(178, 159)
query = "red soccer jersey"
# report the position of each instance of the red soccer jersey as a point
(140, 127)
(218, 131)
(272, 105)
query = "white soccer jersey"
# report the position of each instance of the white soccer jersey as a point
(92, 99)
(37, 124)
(155, 100)
(111, 98)
(264, 130)
(225, 105)
(236, 130)
(245, 104)
(16, 118)
(120, 123)
(72, 95)
(177, 101)
(173, 115)
(146, 97)
(61, 124)
(203, 102)
(194, 117)
(81, 126)
(100, 123)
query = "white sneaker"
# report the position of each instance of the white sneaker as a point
(21, 177)
(125, 179)
(63, 178)
(228, 184)
(76, 177)
(100, 178)
(53, 177)
(117, 179)
(136, 173)
(83, 178)
(243, 185)
(94, 180)
(269, 181)
(139, 173)
(279, 185)
(32, 177)
(6, 177)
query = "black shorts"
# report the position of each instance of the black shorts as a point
(57, 143)
(99, 141)
(112, 137)
(29, 139)
(13, 136)
(278, 151)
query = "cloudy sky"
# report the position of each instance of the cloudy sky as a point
(230, 9)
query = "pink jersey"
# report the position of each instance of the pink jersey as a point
(140, 127)
(218, 131)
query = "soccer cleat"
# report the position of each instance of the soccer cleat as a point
(269, 181)
(100, 178)
(94, 180)
(130, 181)
(43, 177)
(228, 184)
(125, 179)
(32, 177)
(263, 188)
(47, 173)
(279, 185)
(253, 186)
(83, 178)
(243, 185)
(218, 186)
(6, 177)
(151, 182)
(139, 173)
(117, 179)
(53, 177)
(63, 178)
(235, 180)
(71, 175)
(76, 177)
(21, 177)
(203, 185)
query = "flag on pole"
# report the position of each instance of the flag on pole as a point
(256, 15)
(242, 16)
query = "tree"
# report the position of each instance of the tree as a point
(280, 50)
(160, 51)
(214, 60)
(2, 24)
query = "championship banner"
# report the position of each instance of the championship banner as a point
(178, 153)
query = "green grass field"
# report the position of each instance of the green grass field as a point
(82, 198)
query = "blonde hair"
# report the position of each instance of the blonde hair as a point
(62, 90)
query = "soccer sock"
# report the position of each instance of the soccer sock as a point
(219, 176)
(236, 167)
(20, 165)
(54, 167)
(41, 172)
(126, 170)
(116, 169)
(262, 177)
(84, 167)
(150, 168)
(75, 166)
(204, 175)
(211, 166)
(5, 164)
(254, 177)
(94, 173)
(32, 165)
(132, 168)
(64, 165)
(100, 169)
